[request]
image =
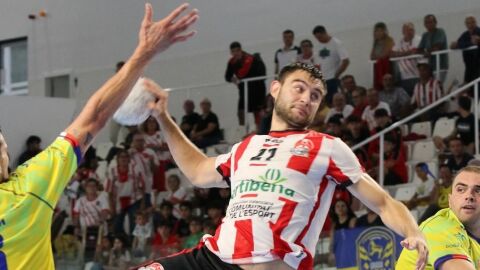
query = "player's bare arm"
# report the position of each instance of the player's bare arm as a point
(394, 214)
(3, 159)
(154, 37)
(198, 168)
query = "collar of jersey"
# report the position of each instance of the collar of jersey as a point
(283, 133)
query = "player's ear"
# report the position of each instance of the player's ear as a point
(275, 88)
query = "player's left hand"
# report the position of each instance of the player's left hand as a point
(418, 243)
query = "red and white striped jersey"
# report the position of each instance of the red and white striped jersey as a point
(126, 188)
(90, 211)
(426, 94)
(408, 67)
(281, 190)
(142, 160)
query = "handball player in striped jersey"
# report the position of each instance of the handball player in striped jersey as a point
(281, 185)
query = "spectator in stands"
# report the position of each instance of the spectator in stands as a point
(165, 241)
(201, 196)
(195, 233)
(207, 131)
(209, 227)
(348, 85)
(141, 235)
(288, 53)
(459, 157)
(102, 253)
(241, 66)
(266, 121)
(190, 118)
(382, 46)
(424, 183)
(176, 193)
(342, 218)
(374, 104)
(307, 56)
(164, 213)
(119, 257)
(359, 98)
(360, 153)
(215, 211)
(91, 209)
(434, 40)
(184, 220)
(147, 161)
(427, 91)
(334, 126)
(340, 107)
(224, 194)
(333, 60)
(33, 144)
(395, 171)
(370, 219)
(440, 192)
(464, 126)
(154, 141)
(125, 186)
(406, 46)
(357, 128)
(396, 97)
(471, 58)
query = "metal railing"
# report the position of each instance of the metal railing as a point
(437, 55)
(399, 123)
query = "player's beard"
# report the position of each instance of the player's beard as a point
(284, 112)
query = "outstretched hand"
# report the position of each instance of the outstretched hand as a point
(155, 37)
(420, 245)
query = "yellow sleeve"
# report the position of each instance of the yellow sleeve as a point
(46, 175)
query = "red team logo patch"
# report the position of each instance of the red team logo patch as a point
(153, 266)
(302, 148)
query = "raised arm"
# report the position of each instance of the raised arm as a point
(197, 167)
(393, 213)
(154, 37)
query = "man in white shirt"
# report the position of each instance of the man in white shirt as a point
(374, 103)
(406, 46)
(340, 106)
(288, 54)
(333, 60)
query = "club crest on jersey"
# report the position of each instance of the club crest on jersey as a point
(153, 266)
(302, 148)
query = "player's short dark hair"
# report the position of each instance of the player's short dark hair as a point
(320, 29)
(288, 31)
(33, 139)
(235, 45)
(314, 72)
(465, 103)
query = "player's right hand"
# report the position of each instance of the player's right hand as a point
(157, 36)
(159, 107)
(420, 245)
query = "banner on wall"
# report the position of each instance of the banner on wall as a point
(373, 248)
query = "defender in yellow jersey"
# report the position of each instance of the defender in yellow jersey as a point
(453, 234)
(29, 194)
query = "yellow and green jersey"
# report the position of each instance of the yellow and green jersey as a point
(447, 239)
(27, 201)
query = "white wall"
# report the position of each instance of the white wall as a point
(21, 117)
(86, 38)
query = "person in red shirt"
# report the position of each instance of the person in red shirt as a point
(164, 241)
